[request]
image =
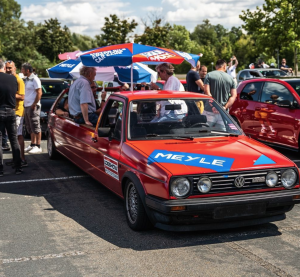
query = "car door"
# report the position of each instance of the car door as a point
(278, 123)
(248, 106)
(105, 151)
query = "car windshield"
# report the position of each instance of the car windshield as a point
(178, 119)
(272, 73)
(53, 88)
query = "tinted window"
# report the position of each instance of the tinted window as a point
(296, 86)
(271, 73)
(53, 89)
(243, 75)
(273, 92)
(251, 91)
(254, 74)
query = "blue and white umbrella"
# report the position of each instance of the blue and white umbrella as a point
(69, 69)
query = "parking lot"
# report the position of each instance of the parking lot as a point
(57, 221)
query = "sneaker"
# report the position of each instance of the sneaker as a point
(24, 163)
(28, 148)
(18, 170)
(35, 150)
(5, 147)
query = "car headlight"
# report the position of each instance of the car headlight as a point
(271, 179)
(288, 178)
(204, 184)
(180, 187)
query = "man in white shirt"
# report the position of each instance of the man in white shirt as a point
(32, 104)
(231, 68)
(165, 71)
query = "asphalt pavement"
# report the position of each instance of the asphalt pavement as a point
(57, 221)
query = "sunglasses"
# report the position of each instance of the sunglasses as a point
(93, 87)
(9, 61)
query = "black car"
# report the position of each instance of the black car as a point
(51, 88)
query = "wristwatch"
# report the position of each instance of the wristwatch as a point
(103, 101)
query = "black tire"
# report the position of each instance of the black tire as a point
(52, 152)
(136, 215)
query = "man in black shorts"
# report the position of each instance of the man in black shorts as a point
(8, 89)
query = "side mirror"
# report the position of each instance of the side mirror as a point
(104, 131)
(284, 104)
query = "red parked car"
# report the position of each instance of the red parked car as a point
(269, 110)
(178, 161)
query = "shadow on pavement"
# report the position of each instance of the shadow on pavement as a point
(101, 212)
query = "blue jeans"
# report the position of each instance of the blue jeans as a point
(93, 118)
(8, 122)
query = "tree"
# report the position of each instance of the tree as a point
(275, 25)
(155, 35)
(82, 42)
(9, 9)
(115, 31)
(52, 39)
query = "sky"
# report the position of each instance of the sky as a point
(87, 17)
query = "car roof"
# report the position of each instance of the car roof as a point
(52, 80)
(163, 94)
(277, 80)
(261, 69)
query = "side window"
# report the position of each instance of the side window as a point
(113, 118)
(254, 74)
(243, 76)
(273, 92)
(251, 91)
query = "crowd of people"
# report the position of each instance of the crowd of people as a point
(20, 98)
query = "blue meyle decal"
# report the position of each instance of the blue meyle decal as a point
(264, 160)
(217, 163)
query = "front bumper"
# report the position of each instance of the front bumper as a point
(221, 212)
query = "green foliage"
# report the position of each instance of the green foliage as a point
(52, 39)
(155, 35)
(277, 21)
(115, 31)
(82, 42)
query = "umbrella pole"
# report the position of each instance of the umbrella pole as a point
(131, 77)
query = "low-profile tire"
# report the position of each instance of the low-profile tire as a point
(136, 215)
(52, 152)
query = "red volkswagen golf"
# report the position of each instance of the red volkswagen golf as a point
(178, 161)
(269, 110)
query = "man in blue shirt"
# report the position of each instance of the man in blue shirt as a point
(82, 104)
(285, 67)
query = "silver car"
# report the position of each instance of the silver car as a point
(247, 74)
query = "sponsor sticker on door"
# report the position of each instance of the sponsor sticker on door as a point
(111, 167)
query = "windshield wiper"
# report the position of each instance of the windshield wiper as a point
(224, 133)
(172, 137)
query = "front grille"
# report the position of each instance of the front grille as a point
(224, 182)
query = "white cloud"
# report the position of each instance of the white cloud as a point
(152, 9)
(84, 17)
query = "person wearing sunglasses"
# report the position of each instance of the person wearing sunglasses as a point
(165, 71)
(285, 67)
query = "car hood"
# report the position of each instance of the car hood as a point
(207, 155)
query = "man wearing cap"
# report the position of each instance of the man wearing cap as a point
(8, 88)
(32, 104)
(11, 70)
